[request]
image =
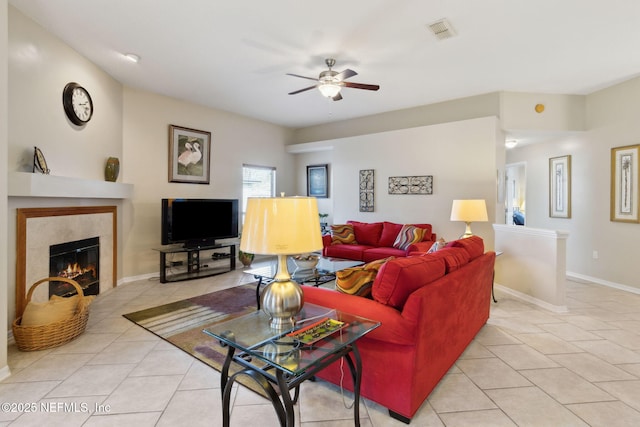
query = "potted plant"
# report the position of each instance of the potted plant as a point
(245, 258)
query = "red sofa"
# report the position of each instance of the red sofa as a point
(431, 306)
(375, 241)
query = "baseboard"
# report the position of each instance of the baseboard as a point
(535, 301)
(5, 373)
(597, 281)
(130, 279)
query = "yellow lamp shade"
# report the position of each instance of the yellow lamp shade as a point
(281, 225)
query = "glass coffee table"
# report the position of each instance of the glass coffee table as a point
(325, 271)
(279, 362)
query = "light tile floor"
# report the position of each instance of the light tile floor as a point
(526, 367)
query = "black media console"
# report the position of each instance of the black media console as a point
(195, 265)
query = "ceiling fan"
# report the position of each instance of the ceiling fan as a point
(330, 82)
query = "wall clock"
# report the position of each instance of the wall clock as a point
(77, 104)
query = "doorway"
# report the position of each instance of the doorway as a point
(516, 182)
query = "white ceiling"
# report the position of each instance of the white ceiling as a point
(233, 55)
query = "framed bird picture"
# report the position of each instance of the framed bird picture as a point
(189, 155)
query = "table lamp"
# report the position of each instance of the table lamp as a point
(281, 226)
(469, 211)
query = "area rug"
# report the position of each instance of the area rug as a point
(181, 323)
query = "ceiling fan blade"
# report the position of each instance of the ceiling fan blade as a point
(338, 97)
(302, 77)
(360, 86)
(302, 90)
(345, 74)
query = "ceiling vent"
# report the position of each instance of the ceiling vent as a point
(442, 29)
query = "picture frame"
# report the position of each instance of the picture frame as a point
(318, 181)
(367, 201)
(39, 162)
(560, 187)
(189, 155)
(624, 184)
(422, 184)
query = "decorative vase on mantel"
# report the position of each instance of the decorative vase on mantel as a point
(112, 169)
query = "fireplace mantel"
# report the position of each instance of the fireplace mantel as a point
(26, 184)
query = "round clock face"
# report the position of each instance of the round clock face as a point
(77, 104)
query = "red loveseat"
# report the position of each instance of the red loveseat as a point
(375, 241)
(431, 306)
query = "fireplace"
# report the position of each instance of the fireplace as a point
(40, 228)
(78, 260)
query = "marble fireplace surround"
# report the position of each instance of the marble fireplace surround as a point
(39, 228)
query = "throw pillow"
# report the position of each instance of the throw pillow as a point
(355, 281)
(440, 244)
(390, 231)
(367, 233)
(43, 313)
(359, 280)
(409, 234)
(343, 234)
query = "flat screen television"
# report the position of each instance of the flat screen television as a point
(198, 222)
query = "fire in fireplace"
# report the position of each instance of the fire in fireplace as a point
(79, 261)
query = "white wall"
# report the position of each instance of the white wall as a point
(611, 122)
(40, 66)
(460, 155)
(234, 140)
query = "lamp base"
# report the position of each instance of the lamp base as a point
(281, 301)
(467, 232)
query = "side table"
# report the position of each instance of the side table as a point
(272, 358)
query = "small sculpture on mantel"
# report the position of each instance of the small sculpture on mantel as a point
(39, 163)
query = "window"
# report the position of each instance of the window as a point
(257, 181)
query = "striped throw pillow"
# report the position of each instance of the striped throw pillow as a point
(359, 280)
(408, 235)
(343, 234)
(355, 281)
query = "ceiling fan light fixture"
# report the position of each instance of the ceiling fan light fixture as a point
(329, 89)
(511, 143)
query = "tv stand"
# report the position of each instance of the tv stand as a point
(197, 266)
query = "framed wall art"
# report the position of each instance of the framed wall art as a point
(318, 181)
(624, 183)
(189, 155)
(560, 187)
(411, 184)
(366, 190)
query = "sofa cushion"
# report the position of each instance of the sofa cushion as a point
(343, 234)
(409, 234)
(367, 233)
(390, 231)
(372, 254)
(358, 280)
(354, 252)
(474, 246)
(400, 277)
(453, 258)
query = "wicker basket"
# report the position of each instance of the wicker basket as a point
(40, 337)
